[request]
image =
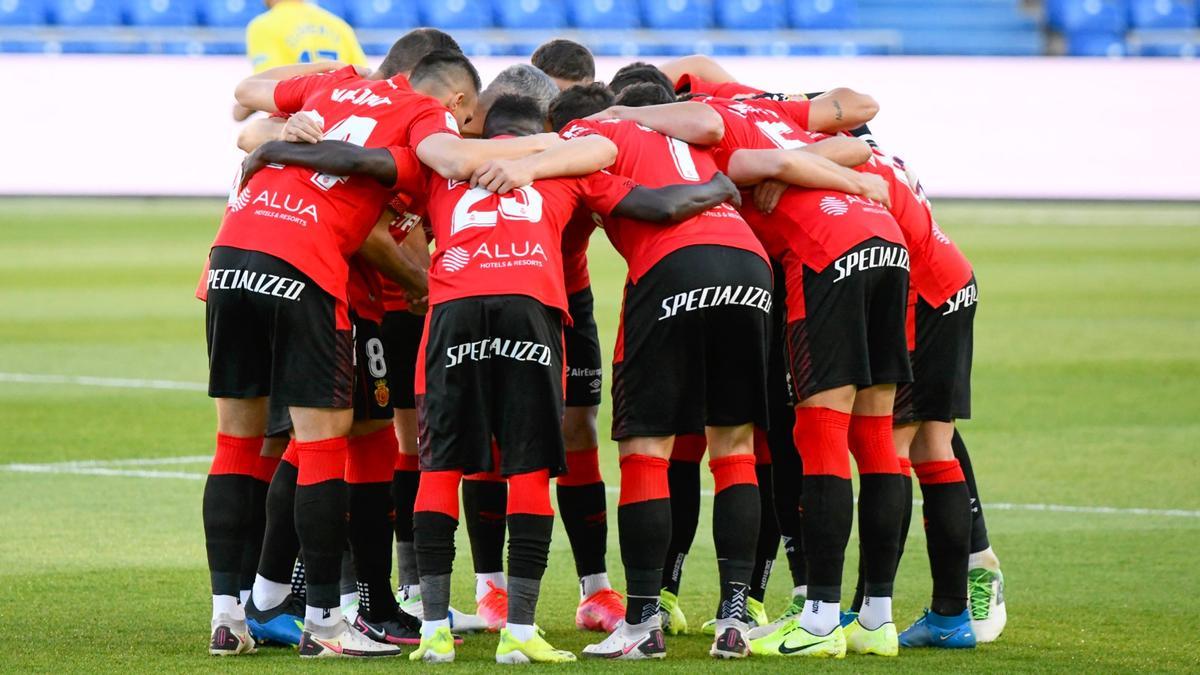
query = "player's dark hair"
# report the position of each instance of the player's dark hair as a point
(565, 60)
(444, 65)
(408, 51)
(643, 94)
(577, 102)
(513, 115)
(639, 71)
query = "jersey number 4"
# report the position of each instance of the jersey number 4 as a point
(353, 129)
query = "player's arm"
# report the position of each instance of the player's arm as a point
(336, 158)
(699, 65)
(689, 121)
(842, 150)
(804, 169)
(298, 128)
(458, 158)
(676, 203)
(381, 251)
(574, 157)
(257, 92)
(840, 109)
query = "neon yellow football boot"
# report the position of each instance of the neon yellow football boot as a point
(437, 648)
(793, 640)
(883, 641)
(673, 620)
(533, 650)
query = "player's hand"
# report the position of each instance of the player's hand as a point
(502, 176)
(418, 305)
(301, 128)
(768, 193)
(253, 163)
(875, 188)
(733, 194)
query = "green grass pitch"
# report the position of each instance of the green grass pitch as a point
(1087, 362)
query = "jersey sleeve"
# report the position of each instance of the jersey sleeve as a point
(796, 111)
(431, 119)
(602, 191)
(411, 178)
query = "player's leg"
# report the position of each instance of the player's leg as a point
(455, 435)
(683, 479)
(768, 533)
(275, 612)
(582, 503)
(735, 525)
(227, 501)
(989, 612)
(268, 461)
(526, 407)
(238, 340)
(947, 516)
(485, 503)
(880, 509)
(402, 332)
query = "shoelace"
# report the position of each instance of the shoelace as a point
(979, 590)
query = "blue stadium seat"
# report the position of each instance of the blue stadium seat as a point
(1094, 16)
(937, 42)
(1163, 14)
(750, 14)
(381, 13)
(160, 12)
(104, 47)
(605, 14)
(526, 14)
(1087, 43)
(229, 13)
(677, 14)
(336, 6)
(86, 12)
(22, 12)
(456, 13)
(823, 14)
(1170, 49)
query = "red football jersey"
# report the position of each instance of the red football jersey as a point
(575, 241)
(411, 215)
(510, 244)
(691, 84)
(809, 227)
(364, 290)
(654, 160)
(316, 221)
(938, 269)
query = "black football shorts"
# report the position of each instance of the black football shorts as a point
(493, 368)
(273, 332)
(853, 331)
(941, 363)
(584, 359)
(692, 345)
(402, 333)
(372, 379)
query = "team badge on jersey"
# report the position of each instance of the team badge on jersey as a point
(382, 394)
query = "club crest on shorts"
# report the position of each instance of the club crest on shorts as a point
(382, 395)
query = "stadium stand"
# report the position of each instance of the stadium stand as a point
(1159, 28)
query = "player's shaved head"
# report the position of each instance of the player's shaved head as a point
(451, 79)
(408, 51)
(568, 63)
(514, 115)
(643, 94)
(639, 71)
(578, 102)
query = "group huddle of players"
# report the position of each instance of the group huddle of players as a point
(790, 303)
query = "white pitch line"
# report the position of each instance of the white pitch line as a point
(114, 382)
(102, 467)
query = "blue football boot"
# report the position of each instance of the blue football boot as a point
(943, 632)
(280, 625)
